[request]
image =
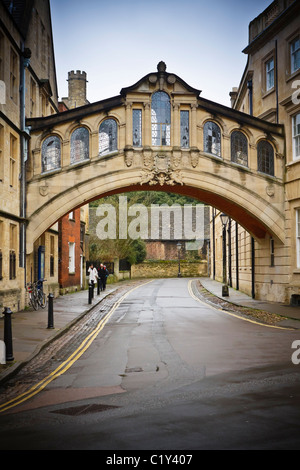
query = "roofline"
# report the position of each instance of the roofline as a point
(269, 30)
(242, 118)
(131, 88)
(81, 112)
(74, 113)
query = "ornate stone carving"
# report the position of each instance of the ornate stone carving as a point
(176, 158)
(128, 159)
(128, 156)
(148, 161)
(270, 190)
(194, 158)
(43, 190)
(161, 173)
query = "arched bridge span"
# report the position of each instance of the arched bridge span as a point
(158, 134)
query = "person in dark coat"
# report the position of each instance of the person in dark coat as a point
(103, 273)
(106, 274)
(101, 276)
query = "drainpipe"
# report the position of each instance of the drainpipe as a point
(24, 62)
(214, 248)
(229, 254)
(276, 83)
(253, 267)
(237, 255)
(249, 84)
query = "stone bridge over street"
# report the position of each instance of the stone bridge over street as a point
(158, 134)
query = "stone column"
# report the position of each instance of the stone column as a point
(176, 125)
(128, 137)
(147, 126)
(194, 125)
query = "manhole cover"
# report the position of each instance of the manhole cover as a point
(134, 369)
(84, 409)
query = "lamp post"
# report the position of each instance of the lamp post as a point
(224, 220)
(178, 249)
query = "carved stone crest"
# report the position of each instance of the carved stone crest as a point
(161, 173)
(43, 190)
(270, 190)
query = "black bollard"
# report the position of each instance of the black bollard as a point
(98, 287)
(50, 311)
(91, 289)
(8, 334)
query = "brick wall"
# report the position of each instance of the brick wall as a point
(69, 232)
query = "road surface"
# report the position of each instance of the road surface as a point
(160, 370)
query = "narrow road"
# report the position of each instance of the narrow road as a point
(164, 371)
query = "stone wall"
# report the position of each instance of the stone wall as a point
(158, 269)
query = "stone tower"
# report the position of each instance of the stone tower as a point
(77, 89)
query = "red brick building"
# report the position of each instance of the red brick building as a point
(71, 253)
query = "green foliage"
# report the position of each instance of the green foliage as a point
(133, 251)
(147, 198)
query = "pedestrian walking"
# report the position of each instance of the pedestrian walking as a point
(103, 273)
(100, 277)
(93, 275)
(106, 274)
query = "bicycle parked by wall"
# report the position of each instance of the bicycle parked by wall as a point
(37, 296)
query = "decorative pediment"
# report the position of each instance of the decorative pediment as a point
(161, 80)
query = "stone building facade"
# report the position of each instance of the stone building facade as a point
(28, 89)
(156, 134)
(269, 89)
(73, 227)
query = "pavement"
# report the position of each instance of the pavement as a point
(30, 332)
(236, 297)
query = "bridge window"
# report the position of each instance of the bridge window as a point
(161, 119)
(212, 138)
(184, 129)
(108, 137)
(239, 148)
(265, 157)
(137, 127)
(79, 145)
(51, 153)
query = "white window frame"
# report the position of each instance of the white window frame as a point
(270, 74)
(298, 237)
(296, 137)
(71, 257)
(295, 51)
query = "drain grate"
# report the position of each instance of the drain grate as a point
(133, 369)
(84, 409)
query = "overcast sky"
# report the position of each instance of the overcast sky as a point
(117, 42)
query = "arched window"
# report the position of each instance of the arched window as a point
(212, 138)
(239, 148)
(108, 137)
(161, 119)
(79, 145)
(265, 157)
(51, 153)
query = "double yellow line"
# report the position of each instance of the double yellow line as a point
(64, 366)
